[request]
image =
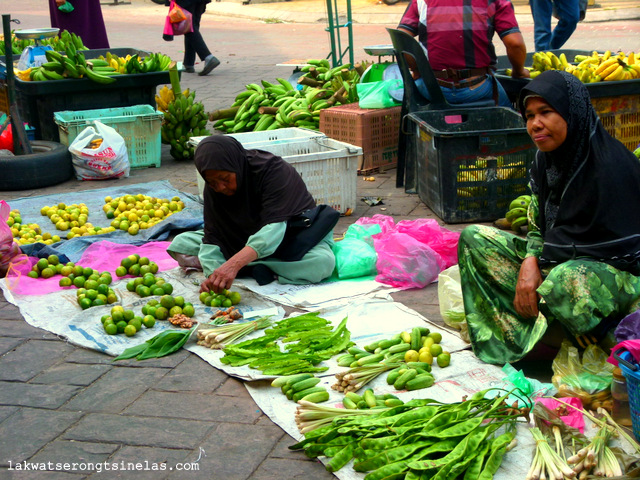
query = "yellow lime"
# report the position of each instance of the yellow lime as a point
(47, 273)
(410, 356)
(130, 330)
(425, 357)
(175, 311)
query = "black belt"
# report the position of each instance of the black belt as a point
(453, 75)
(462, 84)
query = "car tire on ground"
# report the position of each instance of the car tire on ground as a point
(49, 164)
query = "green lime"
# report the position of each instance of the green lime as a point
(145, 269)
(65, 282)
(103, 289)
(203, 296)
(92, 294)
(121, 326)
(87, 271)
(443, 360)
(437, 337)
(227, 303)
(148, 321)
(168, 288)
(175, 311)
(98, 301)
(149, 280)
(117, 315)
(153, 302)
(188, 310)
(136, 322)
(128, 315)
(131, 286)
(47, 272)
(90, 284)
(130, 330)
(162, 313)
(235, 297)
(121, 271)
(42, 264)
(110, 328)
(112, 297)
(179, 301)
(104, 318)
(144, 261)
(151, 310)
(79, 281)
(143, 291)
(84, 303)
(33, 274)
(157, 291)
(167, 301)
(53, 260)
(134, 270)
(144, 309)
(154, 267)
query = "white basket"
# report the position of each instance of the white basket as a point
(328, 167)
(248, 139)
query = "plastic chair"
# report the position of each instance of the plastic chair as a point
(414, 101)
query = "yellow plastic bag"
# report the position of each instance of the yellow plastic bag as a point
(450, 300)
(587, 378)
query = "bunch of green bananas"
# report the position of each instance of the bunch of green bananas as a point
(183, 119)
(73, 65)
(278, 105)
(517, 214)
(58, 43)
(155, 62)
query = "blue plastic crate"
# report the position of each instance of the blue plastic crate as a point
(631, 371)
(139, 125)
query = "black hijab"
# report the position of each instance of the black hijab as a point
(589, 187)
(269, 190)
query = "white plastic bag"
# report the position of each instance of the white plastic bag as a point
(450, 300)
(99, 152)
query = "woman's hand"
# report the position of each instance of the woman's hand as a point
(529, 279)
(223, 276)
(60, 2)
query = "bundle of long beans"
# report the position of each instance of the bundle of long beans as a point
(421, 437)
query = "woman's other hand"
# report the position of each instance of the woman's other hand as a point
(223, 276)
(529, 279)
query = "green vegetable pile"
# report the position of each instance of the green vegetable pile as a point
(422, 438)
(308, 339)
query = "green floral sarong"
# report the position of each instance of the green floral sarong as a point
(579, 294)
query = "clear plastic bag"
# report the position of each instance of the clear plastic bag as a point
(99, 152)
(450, 300)
(587, 378)
(9, 250)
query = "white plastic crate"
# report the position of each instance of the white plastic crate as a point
(248, 139)
(328, 167)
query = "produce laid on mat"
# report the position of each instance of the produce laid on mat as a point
(129, 213)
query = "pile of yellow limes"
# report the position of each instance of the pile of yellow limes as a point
(124, 321)
(132, 213)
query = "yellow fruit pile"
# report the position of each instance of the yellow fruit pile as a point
(597, 67)
(26, 233)
(73, 218)
(132, 213)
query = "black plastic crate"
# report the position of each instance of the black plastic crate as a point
(471, 163)
(38, 101)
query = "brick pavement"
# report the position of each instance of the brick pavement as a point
(61, 403)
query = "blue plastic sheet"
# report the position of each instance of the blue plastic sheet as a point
(190, 218)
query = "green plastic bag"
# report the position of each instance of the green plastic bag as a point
(377, 94)
(66, 7)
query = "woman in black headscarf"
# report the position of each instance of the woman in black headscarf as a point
(249, 197)
(576, 274)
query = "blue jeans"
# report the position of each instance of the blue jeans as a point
(568, 12)
(457, 96)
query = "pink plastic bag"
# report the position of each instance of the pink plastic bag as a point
(178, 28)
(102, 256)
(387, 224)
(573, 417)
(442, 240)
(405, 262)
(9, 250)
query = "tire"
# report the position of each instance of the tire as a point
(390, 2)
(49, 164)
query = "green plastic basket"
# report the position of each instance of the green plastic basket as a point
(139, 125)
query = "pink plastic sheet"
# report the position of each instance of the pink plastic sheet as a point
(573, 418)
(103, 256)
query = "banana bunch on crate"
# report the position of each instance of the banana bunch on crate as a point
(131, 64)
(71, 65)
(278, 105)
(516, 216)
(592, 68)
(183, 118)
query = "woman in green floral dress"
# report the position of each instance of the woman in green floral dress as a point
(579, 266)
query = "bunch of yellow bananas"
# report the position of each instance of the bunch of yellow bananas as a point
(597, 67)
